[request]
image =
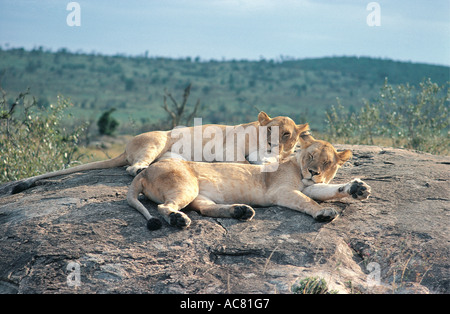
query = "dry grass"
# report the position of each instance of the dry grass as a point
(104, 148)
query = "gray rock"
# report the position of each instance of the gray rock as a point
(77, 234)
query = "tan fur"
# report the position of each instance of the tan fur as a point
(145, 148)
(226, 190)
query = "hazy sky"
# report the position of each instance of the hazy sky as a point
(410, 30)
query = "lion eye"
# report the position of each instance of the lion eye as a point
(287, 134)
(310, 157)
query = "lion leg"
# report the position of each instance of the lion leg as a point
(171, 213)
(176, 198)
(144, 149)
(143, 160)
(298, 201)
(174, 201)
(209, 208)
(324, 192)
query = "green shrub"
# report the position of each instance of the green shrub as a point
(312, 285)
(408, 117)
(32, 138)
(107, 125)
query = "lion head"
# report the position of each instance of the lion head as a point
(319, 160)
(289, 133)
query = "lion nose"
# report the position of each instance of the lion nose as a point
(313, 173)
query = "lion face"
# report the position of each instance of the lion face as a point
(319, 160)
(289, 133)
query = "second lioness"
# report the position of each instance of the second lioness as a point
(226, 190)
(146, 148)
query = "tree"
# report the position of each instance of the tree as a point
(177, 112)
(107, 124)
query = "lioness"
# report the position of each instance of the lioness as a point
(145, 148)
(224, 190)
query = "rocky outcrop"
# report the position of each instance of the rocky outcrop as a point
(77, 234)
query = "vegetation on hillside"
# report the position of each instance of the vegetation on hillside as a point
(42, 133)
(230, 91)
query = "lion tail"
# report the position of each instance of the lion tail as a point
(135, 189)
(119, 161)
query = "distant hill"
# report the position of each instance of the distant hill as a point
(229, 91)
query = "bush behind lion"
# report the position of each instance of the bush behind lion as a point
(408, 117)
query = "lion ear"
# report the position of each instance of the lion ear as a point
(304, 136)
(263, 118)
(344, 156)
(302, 129)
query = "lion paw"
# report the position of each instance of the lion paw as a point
(135, 170)
(326, 215)
(243, 212)
(359, 190)
(179, 219)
